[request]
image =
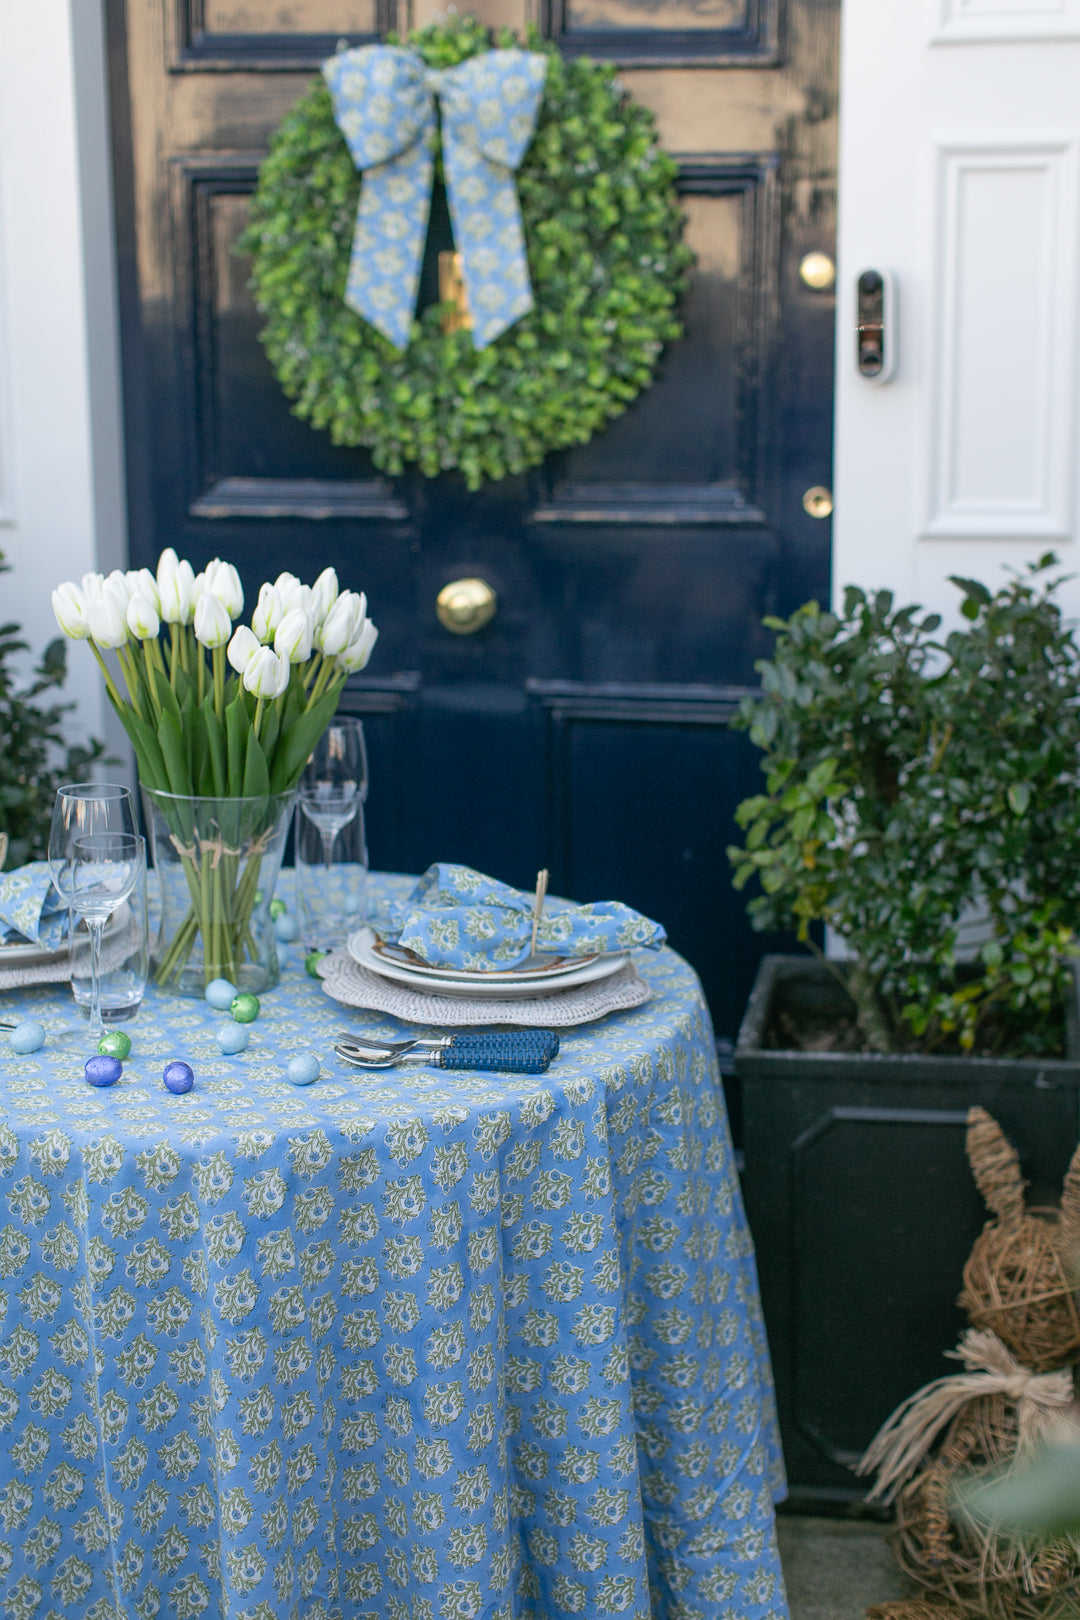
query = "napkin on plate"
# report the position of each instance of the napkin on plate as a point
(31, 911)
(459, 918)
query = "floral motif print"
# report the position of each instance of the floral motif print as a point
(421, 1347)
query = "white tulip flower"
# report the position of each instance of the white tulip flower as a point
(358, 652)
(341, 624)
(293, 638)
(90, 584)
(142, 617)
(267, 675)
(222, 580)
(324, 593)
(141, 582)
(105, 616)
(242, 648)
(176, 588)
(117, 585)
(213, 627)
(69, 606)
(268, 613)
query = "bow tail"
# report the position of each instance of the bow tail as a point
(388, 243)
(488, 231)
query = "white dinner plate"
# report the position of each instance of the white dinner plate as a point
(365, 948)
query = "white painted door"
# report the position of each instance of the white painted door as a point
(959, 132)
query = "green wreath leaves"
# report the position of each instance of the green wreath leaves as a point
(607, 264)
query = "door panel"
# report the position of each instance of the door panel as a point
(585, 727)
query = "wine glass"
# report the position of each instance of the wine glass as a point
(104, 868)
(335, 782)
(81, 809)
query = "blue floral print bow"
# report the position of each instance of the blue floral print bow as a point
(456, 917)
(384, 104)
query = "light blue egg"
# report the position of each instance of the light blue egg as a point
(27, 1037)
(233, 1038)
(219, 993)
(302, 1070)
(286, 928)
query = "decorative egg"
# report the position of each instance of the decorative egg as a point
(311, 962)
(220, 994)
(302, 1070)
(233, 1038)
(178, 1076)
(245, 1008)
(103, 1071)
(27, 1037)
(116, 1044)
(278, 908)
(286, 928)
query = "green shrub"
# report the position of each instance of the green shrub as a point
(34, 757)
(910, 782)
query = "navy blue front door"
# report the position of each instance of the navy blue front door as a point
(585, 727)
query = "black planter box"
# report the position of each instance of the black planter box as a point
(863, 1212)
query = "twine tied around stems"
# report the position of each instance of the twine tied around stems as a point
(1041, 1400)
(218, 847)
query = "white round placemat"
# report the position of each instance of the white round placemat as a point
(355, 986)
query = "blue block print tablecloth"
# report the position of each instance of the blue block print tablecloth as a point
(411, 1345)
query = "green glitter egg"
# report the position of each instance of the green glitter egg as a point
(245, 1008)
(116, 1044)
(278, 908)
(311, 962)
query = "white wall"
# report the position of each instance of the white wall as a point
(61, 471)
(959, 172)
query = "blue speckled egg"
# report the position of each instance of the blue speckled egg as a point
(103, 1071)
(286, 928)
(178, 1077)
(27, 1037)
(232, 1038)
(302, 1070)
(219, 993)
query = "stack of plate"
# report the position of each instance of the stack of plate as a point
(540, 976)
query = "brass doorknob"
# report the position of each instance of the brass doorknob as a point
(466, 605)
(817, 502)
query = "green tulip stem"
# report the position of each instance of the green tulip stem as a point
(150, 648)
(257, 722)
(110, 685)
(200, 675)
(313, 669)
(219, 682)
(174, 653)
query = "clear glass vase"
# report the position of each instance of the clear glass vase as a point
(217, 861)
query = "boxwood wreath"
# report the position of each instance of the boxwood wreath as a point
(606, 260)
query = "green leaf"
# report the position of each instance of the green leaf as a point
(237, 731)
(256, 775)
(1019, 797)
(174, 751)
(215, 741)
(294, 749)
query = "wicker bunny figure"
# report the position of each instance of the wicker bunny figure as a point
(1016, 1392)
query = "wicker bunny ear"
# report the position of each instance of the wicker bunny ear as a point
(1069, 1225)
(995, 1167)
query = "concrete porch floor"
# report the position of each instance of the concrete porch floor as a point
(835, 1568)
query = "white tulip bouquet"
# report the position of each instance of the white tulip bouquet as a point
(218, 714)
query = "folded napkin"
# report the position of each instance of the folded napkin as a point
(459, 918)
(31, 911)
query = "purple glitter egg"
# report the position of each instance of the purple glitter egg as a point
(178, 1077)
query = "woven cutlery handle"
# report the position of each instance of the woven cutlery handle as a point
(544, 1041)
(497, 1052)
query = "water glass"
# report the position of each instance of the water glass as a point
(125, 955)
(104, 868)
(332, 900)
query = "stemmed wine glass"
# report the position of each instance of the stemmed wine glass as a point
(81, 809)
(335, 782)
(104, 868)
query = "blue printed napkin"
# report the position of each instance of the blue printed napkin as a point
(31, 911)
(459, 918)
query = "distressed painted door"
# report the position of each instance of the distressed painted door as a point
(585, 728)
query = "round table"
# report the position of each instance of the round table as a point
(412, 1344)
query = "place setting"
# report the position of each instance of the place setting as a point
(464, 950)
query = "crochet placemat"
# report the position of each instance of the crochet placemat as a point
(346, 981)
